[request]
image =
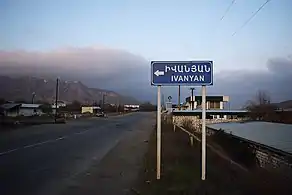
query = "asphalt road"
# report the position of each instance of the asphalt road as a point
(45, 159)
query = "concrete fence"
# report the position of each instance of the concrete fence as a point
(196, 122)
(267, 157)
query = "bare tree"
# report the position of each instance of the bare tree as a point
(261, 108)
(263, 97)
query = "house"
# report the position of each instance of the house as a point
(30, 110)
(10, 109)
(16, 109)
(212, 103)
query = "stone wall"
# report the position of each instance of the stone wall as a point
(268, 158)
(196, 122)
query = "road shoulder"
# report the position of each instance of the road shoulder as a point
(117, 172)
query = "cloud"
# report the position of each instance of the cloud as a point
(280, 66)
(96, 66)
(129, 74)
(242, 85)
(100, 60)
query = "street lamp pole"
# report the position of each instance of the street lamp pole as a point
(179, 97)
(192, 99)
(33, 96)
(118, 104)
(103, 101)
(56, 100)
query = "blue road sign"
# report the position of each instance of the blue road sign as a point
(182, 73)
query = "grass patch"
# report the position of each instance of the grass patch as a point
(181, 171)
(237, 150)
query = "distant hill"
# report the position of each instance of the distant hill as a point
(21, 88)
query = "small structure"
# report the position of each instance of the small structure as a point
(168, 106)
(183, 106)
(131, 108)
(90, 109)
(59, 104)
(16, 109)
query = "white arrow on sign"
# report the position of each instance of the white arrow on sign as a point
(159, 73)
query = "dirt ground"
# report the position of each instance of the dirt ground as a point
(117, 172)
(181, 173)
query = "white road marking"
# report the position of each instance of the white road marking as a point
(60, 138)
(41, 143)
(9, 151)
(81, 132)
(37, 144)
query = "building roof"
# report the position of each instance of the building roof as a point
(8, 106)
(198, 98)
(93, 107)
(213, 111)
(30, 105)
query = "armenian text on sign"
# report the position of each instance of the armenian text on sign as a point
(188, 73)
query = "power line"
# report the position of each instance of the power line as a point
(227, 10)
(252, 16)
(218, 26)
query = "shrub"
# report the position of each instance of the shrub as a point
(187, 124)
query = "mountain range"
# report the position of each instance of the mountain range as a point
(23, 88)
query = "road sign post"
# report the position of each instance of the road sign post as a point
(158, 131)
(203, 132)
(177, 73)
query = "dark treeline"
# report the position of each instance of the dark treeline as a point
(262, 109)
(147, 107)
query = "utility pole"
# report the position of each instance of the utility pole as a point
(33, 96)
(118, 104)
(179, 97)
(103, 101)
(192, 99)
(56, 100)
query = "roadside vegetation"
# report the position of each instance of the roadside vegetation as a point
(147, 107)
(181, 172)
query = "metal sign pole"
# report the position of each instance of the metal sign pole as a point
(203, 132)
(179, 97)
(158, 131)
(181, 73)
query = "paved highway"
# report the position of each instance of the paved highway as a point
(45, 159)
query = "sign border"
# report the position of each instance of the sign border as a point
(182, 84)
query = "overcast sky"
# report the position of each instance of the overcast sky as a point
(109, 44)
